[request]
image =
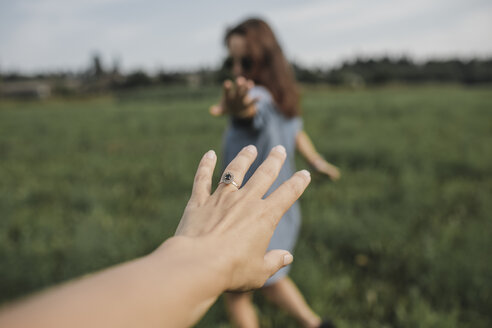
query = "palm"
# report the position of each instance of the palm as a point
(235, 99)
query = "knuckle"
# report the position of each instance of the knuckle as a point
(234, 167)
(292, 191)
(240, 162)
(260, 281)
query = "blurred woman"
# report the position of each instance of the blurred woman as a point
(263, 104)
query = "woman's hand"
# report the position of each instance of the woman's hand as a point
(235, 99)
(307, 149)
(322, 166)
(236, 225)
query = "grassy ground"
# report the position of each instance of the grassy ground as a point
(402, 240)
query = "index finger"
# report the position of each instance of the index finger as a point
(202, 184)
(228, 87)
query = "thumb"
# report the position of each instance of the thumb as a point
(276, 259)
(216, 110)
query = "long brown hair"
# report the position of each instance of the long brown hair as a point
(269, 68)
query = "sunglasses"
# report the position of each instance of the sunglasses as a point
(246, 63)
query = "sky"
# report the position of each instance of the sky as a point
(48, 35)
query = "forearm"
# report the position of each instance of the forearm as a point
(306, 147)
(172, 287)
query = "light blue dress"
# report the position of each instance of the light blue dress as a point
(267, 129)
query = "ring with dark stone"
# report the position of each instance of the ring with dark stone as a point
(228, 178)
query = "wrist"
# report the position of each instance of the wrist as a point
(246, 113)
(196, 257)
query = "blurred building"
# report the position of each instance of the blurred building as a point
(25, 89)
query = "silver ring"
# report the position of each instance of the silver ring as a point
(228, 178)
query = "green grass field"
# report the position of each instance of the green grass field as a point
(404, 239)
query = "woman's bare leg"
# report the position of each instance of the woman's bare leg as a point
(285, 295)
(241, 310)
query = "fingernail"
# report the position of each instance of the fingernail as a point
(280, 149)
(306, 173)
(251, 149)
(288, 258)
(210, 154)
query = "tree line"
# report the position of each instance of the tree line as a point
(386, 70)
(356, 72)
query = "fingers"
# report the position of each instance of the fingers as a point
(228, 90)
(335, 175)
(330, 170)
(203, 178)
(235, 97)
(216, 110)
(250, 102)
(239, 166)
(268, 171)
(285, 195)
(276, 259)
(241, 87)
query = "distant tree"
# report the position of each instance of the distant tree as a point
(116, 66)
(306, 75)
(165, 77)
(386, 69)
(97, 67)
(137, 79)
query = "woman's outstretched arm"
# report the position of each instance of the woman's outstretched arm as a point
(220, 245)
(308, 151)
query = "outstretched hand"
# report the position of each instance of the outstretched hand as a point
(235, 99)
(323, 167)
(238, 223)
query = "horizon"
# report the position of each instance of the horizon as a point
(187, 70)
